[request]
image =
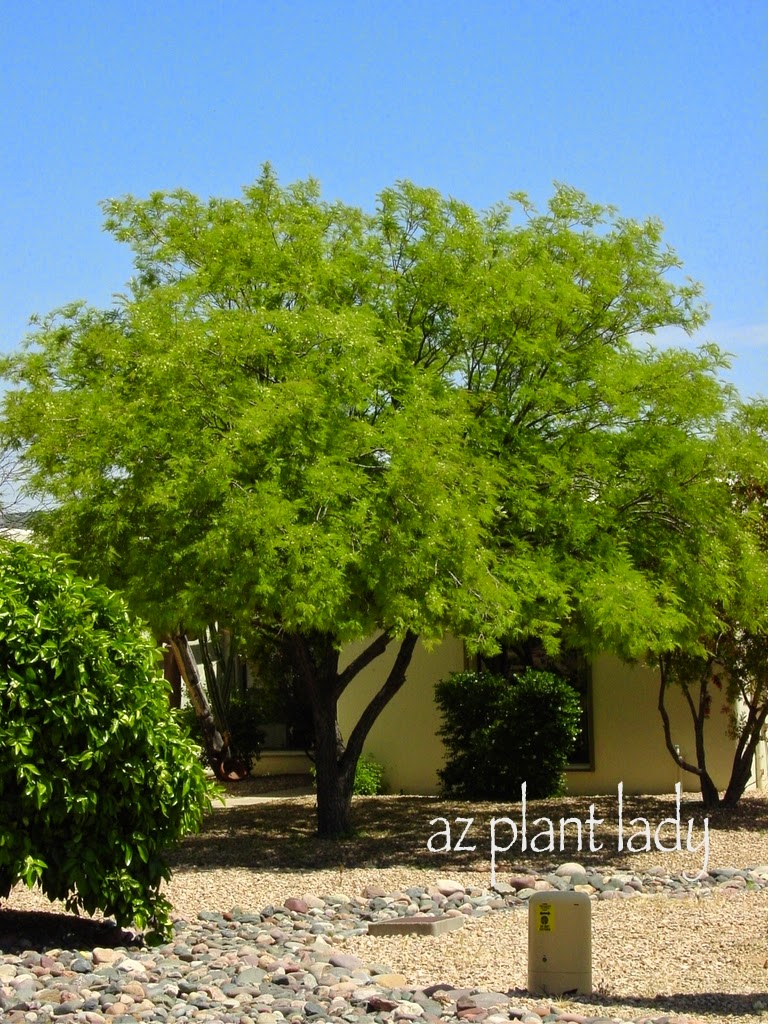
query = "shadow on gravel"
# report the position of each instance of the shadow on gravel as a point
(393, 832)
(22, 930)
(731, 1007)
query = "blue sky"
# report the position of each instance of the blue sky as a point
(658, 108)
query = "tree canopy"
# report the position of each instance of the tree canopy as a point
(720, 660)
(318, 425)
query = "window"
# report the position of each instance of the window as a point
(285, 712)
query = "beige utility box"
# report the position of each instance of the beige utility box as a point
(559, 943)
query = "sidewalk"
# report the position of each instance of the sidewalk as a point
(260, 798)
(257, 789)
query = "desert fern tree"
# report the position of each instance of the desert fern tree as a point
(319, 425)
(721, 661)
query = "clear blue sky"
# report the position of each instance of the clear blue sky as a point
(659, 108)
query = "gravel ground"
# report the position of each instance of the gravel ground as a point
(704, 956)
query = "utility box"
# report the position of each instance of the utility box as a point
(559, 943)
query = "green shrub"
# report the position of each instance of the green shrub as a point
(466, 701)
(369, 776)
(97, 776)
(501, 733)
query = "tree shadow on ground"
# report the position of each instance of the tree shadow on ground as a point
(731, 1007)
(279, 835)
(394, 832)
(38, 930)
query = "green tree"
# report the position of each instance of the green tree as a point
(97, 778)
(720, 661)
(317, 425)
(14, 512)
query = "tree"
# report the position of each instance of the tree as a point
(723, 654)
(14, 511)
(316, 426)
(97, 777)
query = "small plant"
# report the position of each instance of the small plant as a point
(98, 777)
(501, 733)
(369, 776)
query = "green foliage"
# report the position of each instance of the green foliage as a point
(324, 425)
(369, 776)
(97, 777)
(501, 733)
(426, 419)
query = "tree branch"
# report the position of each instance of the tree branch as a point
(676, 756)
(393, 682)
(375, 648)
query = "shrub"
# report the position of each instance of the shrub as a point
(97, 778)
(369, 776)
(501, 733)
(467, 702)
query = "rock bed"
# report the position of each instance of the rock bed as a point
(285, 963)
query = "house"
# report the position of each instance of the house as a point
(625, 741)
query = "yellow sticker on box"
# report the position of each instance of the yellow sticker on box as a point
(545, 917)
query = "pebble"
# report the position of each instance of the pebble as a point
(280, 966)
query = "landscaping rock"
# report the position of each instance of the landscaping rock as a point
(449, 887)
(218, 968)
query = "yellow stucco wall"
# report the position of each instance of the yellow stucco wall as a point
(281, 762)
(404, 736)
(628, 738)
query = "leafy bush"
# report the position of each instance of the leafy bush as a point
(501, 733)
(97, 776)
(369, 776)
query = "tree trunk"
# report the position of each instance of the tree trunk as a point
(738, 782)
(710, 796)
(709, 793)
(335, 779)
(316, 661)
(741, 771)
